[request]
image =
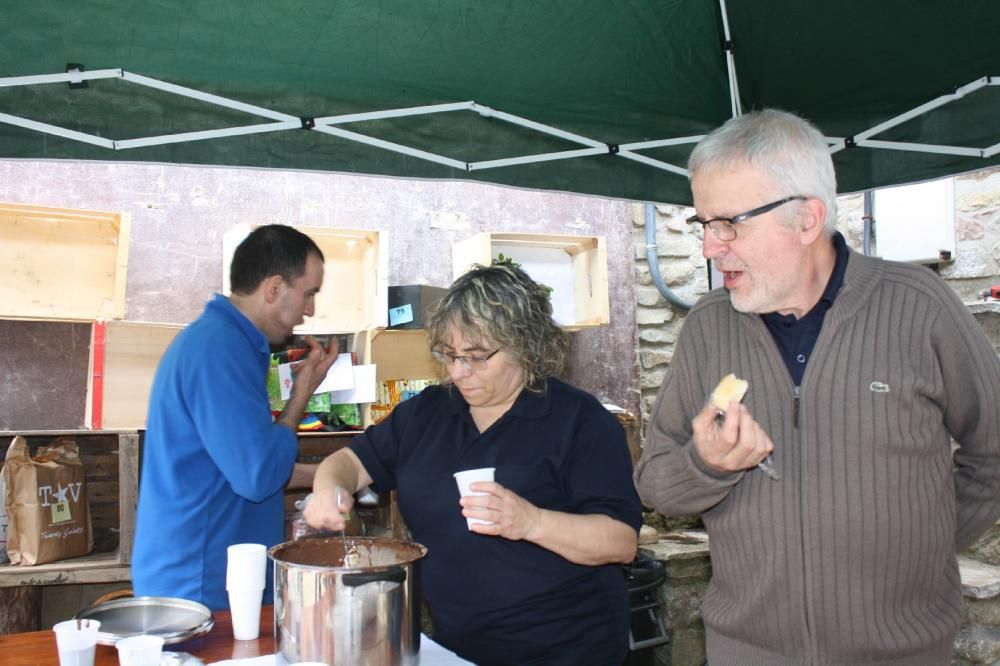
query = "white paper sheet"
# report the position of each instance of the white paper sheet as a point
(339, 377)
(364, 387)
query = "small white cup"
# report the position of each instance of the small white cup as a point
(246, 566)
(76, 641)
(467, 478)
(140, 650)
(244, 606)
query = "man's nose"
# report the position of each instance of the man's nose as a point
(711, 246)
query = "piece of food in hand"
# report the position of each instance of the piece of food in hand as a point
(730, 388)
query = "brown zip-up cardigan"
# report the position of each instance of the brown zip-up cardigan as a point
(851, 557)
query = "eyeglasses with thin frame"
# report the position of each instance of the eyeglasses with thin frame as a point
(469, 362)
(724, 228)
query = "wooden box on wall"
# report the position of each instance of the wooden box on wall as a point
(355, 277)
(575, 267)
(62, 264)
(123, 360)
(111, 464)
(397, 354)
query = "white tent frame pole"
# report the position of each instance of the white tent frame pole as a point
(46, 128)
(203, 135)
(206, 97)
(734, 84)
(74, 76)
(326, 125)
(921, 148)
(924, 108)
(390, 146)
(395, 113)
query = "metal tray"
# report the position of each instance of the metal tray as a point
(175, 620)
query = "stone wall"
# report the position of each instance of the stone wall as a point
(976, 266)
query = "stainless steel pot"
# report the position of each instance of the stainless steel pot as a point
(347, 601)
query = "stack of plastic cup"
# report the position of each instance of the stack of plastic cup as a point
(245, 578)
(140, 650)
(467, 478)
(76, 641)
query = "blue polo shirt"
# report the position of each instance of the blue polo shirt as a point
(496, 601)
(214, 463)
(796, 338)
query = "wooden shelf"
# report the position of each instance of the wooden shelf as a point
(62, 263)
(112, 489)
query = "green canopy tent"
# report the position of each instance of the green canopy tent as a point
(587, 96)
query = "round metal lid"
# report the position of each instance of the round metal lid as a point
(174, 620)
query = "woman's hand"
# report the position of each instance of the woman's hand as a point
(328, 509)
(510, 515)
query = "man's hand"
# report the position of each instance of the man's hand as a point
(310, 372)
(735, 444)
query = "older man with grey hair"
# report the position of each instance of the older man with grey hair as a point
(831, 494)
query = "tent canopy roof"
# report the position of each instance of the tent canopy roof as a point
(612, 94)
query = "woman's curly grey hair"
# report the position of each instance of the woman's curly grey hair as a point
(501, 305)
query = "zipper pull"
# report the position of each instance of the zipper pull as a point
(795, 407)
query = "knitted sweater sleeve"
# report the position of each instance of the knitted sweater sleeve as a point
(670, 475)
(970, 372)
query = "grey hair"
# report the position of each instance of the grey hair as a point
(790, 150)
(502, 305)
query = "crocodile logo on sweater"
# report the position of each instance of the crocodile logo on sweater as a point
(879, 387)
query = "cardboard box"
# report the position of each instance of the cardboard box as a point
(410, 304)
(62, 263)
(574, 267)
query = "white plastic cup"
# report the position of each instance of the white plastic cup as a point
(244, 607)
(140, 650)
(246, 566)
(76, 641)
(467, 478)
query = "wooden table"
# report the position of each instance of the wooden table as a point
(38, 648)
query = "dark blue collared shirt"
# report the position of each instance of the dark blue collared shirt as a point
(796, 338)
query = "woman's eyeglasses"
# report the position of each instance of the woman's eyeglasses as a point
(469, 362)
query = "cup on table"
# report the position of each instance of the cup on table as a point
(245, 578)
(76, 641)
(140, 650)
(467, 478)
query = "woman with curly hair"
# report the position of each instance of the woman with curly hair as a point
(539, 581)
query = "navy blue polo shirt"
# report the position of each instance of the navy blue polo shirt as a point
(796, 338)
(496, 601)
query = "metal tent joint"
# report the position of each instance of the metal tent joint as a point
(75, 71)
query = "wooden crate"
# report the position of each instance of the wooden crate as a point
(123, 361)
(62, 264)
(575, 267)
(355, 278)
(397, 354)
(111, 461)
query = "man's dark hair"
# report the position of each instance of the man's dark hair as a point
(274, 249)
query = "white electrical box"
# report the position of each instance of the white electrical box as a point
(916, 223)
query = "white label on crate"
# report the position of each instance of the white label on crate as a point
(401, 315)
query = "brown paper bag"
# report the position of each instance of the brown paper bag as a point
(46, 501)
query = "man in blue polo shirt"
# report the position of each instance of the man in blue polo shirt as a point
(215, 463)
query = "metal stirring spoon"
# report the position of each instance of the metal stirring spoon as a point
(348, 551)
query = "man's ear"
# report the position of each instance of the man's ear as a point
(812, 221)
(271, 287)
